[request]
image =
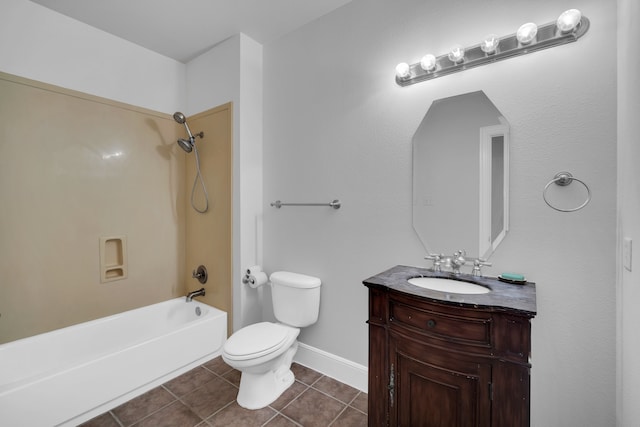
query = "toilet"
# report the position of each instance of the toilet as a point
(263, 352)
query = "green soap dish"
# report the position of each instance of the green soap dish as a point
(514, 278)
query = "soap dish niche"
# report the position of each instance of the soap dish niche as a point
(113, 258)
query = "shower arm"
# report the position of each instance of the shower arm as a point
(192, 137)
(188, 130)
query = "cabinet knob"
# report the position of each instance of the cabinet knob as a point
(431, 323)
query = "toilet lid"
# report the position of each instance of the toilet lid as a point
(256, 340)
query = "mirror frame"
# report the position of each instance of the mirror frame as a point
(487, 244)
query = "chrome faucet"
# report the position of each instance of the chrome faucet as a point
(457, 260)
(199, 293)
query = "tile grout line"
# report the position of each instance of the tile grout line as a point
(270, 419)
(113, 415)
(148, 415)
(285, 417)
(353, 400)
(215, 412)
(293, 399)
(338, 416)
(341, 401)
(221, 375)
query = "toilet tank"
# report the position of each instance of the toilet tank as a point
(296, 298)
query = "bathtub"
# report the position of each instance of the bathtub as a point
(70, 375)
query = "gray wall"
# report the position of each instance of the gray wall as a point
(629, 212)
(337, 126)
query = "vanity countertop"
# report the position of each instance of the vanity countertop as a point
(517, 298)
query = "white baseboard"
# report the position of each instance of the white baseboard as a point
(333, 366)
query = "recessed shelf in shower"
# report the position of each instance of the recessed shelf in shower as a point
(113, 258)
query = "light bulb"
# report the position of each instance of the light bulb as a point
(456, 54)
(428, 62)
(403, 71)
(490, 44)
(527, 32)
(569, 20)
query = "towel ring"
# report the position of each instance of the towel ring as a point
(563, 179)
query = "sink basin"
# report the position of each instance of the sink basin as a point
(448, 285)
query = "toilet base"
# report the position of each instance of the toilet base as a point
(260, 390)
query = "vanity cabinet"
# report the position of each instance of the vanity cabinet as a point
(439, 363)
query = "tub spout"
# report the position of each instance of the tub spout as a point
(198, 293)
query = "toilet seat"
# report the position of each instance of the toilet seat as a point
(258, 340)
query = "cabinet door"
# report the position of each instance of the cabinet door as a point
(434, 388)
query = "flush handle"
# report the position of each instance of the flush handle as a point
(431, 323)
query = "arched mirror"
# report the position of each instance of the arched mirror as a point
(461, 176)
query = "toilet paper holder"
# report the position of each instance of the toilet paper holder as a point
(255, 277)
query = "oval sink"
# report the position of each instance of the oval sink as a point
(448, 285)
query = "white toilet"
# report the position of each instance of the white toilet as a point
(263, 352)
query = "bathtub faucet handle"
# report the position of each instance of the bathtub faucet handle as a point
(201, 274)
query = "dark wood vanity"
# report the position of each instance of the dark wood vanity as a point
(448, 360)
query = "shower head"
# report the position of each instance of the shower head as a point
(179, 117)
(185, 144)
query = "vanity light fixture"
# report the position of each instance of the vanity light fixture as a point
(490, 44)
(569, 27)
(527, 33)
(428, 62)
(456, 54)
(403, 71)
(569, 20)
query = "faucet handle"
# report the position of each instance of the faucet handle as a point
(478, 263)
(437, 261)
(434, 257)
(201, 274)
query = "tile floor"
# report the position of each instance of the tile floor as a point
(205, 396)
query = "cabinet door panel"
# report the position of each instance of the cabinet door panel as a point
(436, 389)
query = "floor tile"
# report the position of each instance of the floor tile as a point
(336, 389)
(218, 366)
(304, 374)
(289, 394)
(361, 402)
(351, 418)
(143, 405)
(281, 421)
(233, 377)
(313, 409)
(104, 420)
(235, 415)
(189, 381)
(174, 415)
(211, 397)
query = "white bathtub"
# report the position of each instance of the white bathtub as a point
(73, 374)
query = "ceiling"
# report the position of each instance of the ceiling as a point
(184, 29)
